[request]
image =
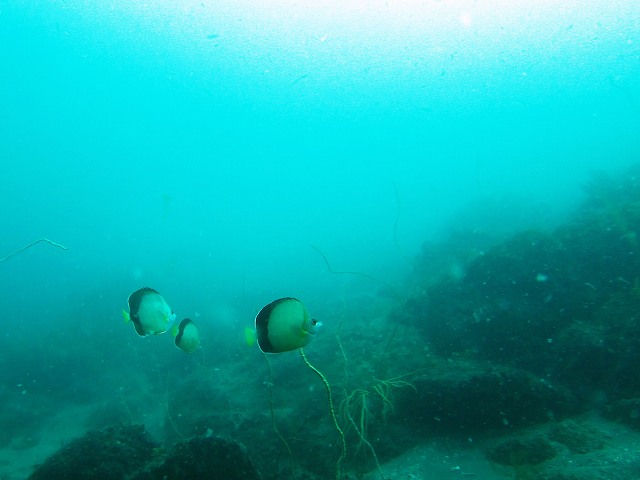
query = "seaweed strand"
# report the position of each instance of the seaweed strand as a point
(31, 245)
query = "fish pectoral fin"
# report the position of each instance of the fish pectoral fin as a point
(126, 316)
(300, 332)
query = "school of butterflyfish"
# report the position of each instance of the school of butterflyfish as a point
(281, 326)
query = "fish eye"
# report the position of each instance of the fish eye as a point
(314, 322)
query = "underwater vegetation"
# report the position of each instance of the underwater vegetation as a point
(46, 240)
(364, 407)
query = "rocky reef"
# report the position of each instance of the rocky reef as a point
(127, 452)
(561, 305)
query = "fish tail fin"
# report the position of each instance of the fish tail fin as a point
(126, 316)
(250, 336)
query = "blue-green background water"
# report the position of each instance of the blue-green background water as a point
(209, 143)
(202, 147)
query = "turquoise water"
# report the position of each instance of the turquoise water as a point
(202, 148)
(266, 126)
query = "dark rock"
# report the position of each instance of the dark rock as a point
(127, 452)
(113, 453)
(467, 397)
(203, 458)
(509, 303)
(561, 304)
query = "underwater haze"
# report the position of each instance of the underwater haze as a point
(206, 145)
(228, 153)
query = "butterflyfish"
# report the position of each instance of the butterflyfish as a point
(149, 312)
(284, 325)
(187, 336)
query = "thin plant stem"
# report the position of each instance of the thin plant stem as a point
(31, 245)
(333, 413)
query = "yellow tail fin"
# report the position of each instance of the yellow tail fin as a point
(250, 336)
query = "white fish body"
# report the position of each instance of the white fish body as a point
(155, 315)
